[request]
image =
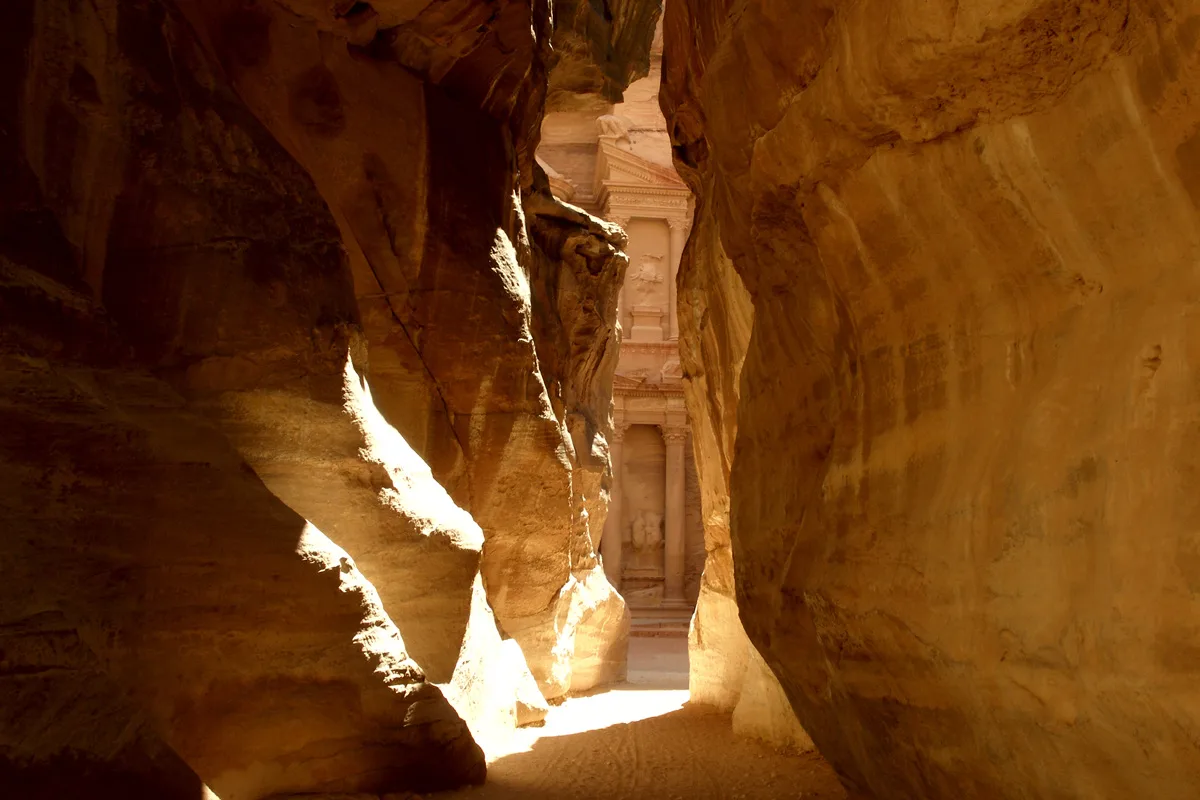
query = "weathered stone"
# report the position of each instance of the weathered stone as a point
(960, 505)
(725, 671)
(248, 638)
(67, 729)
(260, 264)
(577, 269)
(157, 535)
(598, 52)
(453, 286)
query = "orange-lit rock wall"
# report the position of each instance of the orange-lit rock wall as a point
(960, 508)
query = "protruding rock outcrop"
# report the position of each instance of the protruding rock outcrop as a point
(961, 518)
(462, 339)
(271, 313)
(598, 52)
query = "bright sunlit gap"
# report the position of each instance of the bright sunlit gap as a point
(657, 685)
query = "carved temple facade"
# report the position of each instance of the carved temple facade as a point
(614, 161)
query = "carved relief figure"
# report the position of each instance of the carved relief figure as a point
(650, 268)
(613, 126)
(672, 369)
(647, 535)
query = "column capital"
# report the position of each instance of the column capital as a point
(673, 433)
(679, 223)
(619, 430)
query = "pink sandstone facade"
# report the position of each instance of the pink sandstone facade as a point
(614, 161)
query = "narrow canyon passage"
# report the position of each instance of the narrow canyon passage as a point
(639, 740)
(600, 398)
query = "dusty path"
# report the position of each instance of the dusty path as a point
(640, 741)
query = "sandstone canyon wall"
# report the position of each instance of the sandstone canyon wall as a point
(961, 496)
(715, 319)
(305, 374)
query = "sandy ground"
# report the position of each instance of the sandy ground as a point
(640, 740)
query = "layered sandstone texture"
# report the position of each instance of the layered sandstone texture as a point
(715, 320)
(961, 482)
(599, 50)
(305, 397)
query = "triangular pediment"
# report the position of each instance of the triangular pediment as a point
(615, 164)
(626, 382)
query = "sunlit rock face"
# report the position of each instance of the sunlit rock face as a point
(305, 390)
(715, 317)
(419, 132)
(961, 514)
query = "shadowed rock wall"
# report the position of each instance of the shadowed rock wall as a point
(716, 317)
(599, 50)
(960, 506)
(271, 276)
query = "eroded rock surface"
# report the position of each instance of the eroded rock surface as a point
(960, 502)
(598, 52)
(67, 729)
(716, 317)
(282, 299)
(475, 348)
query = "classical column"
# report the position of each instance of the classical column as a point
(674, 550)
(610, 540)
(678, 237)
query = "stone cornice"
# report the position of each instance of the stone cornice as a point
(659, 390)
(643, 189)
(616, 195)
(633, 208)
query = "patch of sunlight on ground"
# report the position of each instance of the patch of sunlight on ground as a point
(639, 740)
(657, 685)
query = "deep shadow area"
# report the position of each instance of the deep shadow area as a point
(689, 753)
